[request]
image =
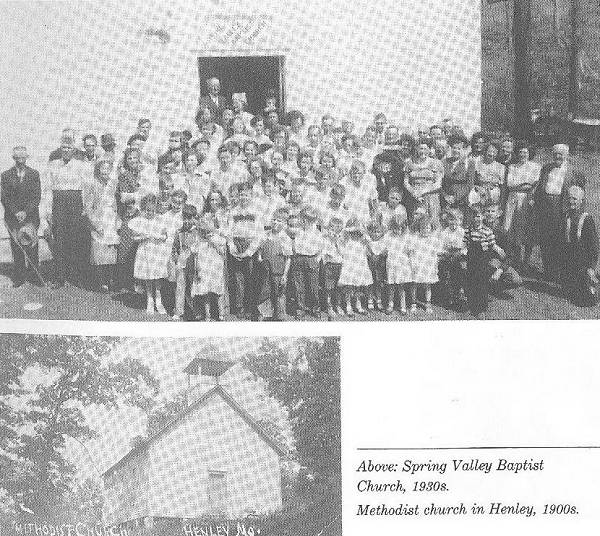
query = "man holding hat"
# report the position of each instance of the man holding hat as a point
(20, 186)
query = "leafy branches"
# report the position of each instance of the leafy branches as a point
(46, 382)
(307, 381)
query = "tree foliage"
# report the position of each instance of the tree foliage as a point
(307, 381)
(164, 413)
(38, 415)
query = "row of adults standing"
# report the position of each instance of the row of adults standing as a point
(534, 200)
(532, 197)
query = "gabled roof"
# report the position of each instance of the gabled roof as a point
(215, 391)
(208, 366)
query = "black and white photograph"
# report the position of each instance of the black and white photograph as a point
(117, 436)
(325, 160)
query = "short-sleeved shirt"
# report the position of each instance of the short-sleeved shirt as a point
(275, 249)
(308, 242)
(71, 175)
(245, 222)
(223, 180)
(358, 199)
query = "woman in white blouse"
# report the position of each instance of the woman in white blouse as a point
(521, 181)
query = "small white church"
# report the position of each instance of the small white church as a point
(212, 460)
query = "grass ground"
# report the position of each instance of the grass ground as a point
(534, 300)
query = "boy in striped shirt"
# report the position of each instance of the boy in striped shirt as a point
(481, 245)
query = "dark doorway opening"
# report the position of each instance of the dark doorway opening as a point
(256, 76)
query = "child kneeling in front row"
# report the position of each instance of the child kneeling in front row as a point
(503, 272)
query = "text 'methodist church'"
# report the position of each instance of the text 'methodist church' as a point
(213, 460)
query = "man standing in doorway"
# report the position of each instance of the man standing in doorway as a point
(214, 101)
(21, 194)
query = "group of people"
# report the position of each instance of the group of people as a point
(314, 219)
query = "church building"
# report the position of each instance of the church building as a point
(212, 460)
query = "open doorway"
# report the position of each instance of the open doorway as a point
(256, 76)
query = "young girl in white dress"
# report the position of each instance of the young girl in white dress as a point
(361, 195)
(424, 247)
(150, 261)
(355, 274)
(396, 243)
(208, 286)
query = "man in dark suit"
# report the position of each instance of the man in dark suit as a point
(213, 101)
(21, 195)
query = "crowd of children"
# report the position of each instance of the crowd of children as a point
(313, 221)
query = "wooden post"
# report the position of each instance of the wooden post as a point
(522, 48)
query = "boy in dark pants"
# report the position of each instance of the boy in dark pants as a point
(183, 260)
(308, 245)
(481, 244)
(452, 265)
(275, 252)
(377, 265)
(246, 230)
(503, 273)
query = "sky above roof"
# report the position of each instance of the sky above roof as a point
(167, 358)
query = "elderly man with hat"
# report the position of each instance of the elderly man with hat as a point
(21, 195)
(71, 235)
(550, 207)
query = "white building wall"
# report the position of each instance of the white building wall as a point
(126, 491)
(90, 65)
(212, 438)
